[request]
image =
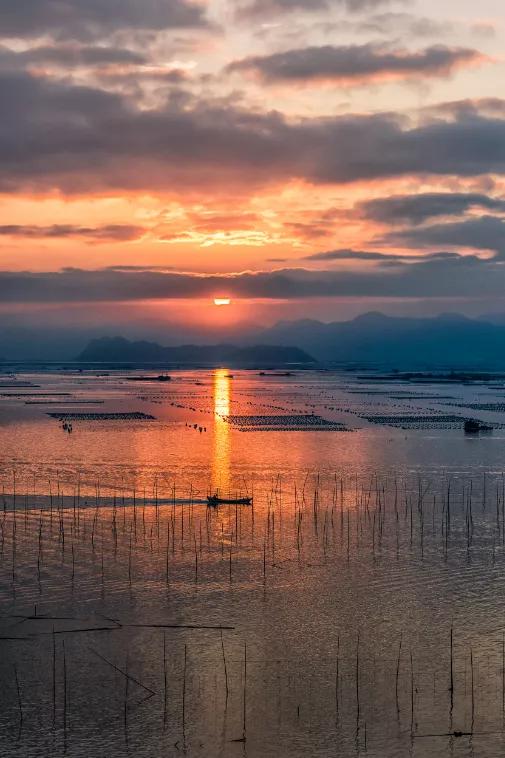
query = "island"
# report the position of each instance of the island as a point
(120, 350)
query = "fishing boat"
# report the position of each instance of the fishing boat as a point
(216, 500)
(473, 426)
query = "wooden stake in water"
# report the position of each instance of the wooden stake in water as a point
(54, 679)
(224, 666)
(165, 680)
(337, 682)
(472, 689)
(125, 706)
(64, 695)
(184, 698)
(20, 702)
(451, 685)
(412, 701)
(398, 674)
(358, 704)
(244, 697)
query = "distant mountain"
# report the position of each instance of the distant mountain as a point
(121, 350)
(36, 340)
(448, 340)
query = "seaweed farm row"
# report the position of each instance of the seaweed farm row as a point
(341, 401)
(300, 422)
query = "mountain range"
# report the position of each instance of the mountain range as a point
(446, 341)
(373, 338)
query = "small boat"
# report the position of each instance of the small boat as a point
(216, 500)
(474, 427)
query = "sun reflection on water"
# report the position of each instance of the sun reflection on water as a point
(221, 447)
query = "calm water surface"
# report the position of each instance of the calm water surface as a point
(356, 608)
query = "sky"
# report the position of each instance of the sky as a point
(305, 158)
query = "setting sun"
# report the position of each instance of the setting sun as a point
(222, 301)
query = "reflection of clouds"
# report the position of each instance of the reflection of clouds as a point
(221, 448)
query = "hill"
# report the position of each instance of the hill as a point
(121, 350)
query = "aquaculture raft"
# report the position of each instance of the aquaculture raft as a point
(414, 421)
(102, 416)
(280, 423)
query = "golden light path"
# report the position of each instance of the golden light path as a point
(221, 447)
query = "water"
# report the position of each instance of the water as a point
(137, 621)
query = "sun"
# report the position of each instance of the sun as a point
(220, 301)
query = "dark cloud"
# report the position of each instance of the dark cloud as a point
(371, 255)
(307, 231)
(68, 55)
(106, 233)
(406, 23)
(120, 267)
(344, 255)
(130, 80)
(483, 233)
(354, 63)
(454, 276)
(274, 7)
(92, 19)
(460, 109)
(83, 139)
(417, 209)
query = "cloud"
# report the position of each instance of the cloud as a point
(107, 65)
(371, 255)
(344, 255)
(126, 267)
(106, 233)
(274, 7)
(454, 276)
(417, 209)
(483, 233)
(68, 55)
(355, 63)
(308, 231)
(95, 19)
(405, 23)
(468, 108)
(484, 29)
(77, 139)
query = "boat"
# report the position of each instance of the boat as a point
(473, 426)
(160, 378)
(216, 500)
